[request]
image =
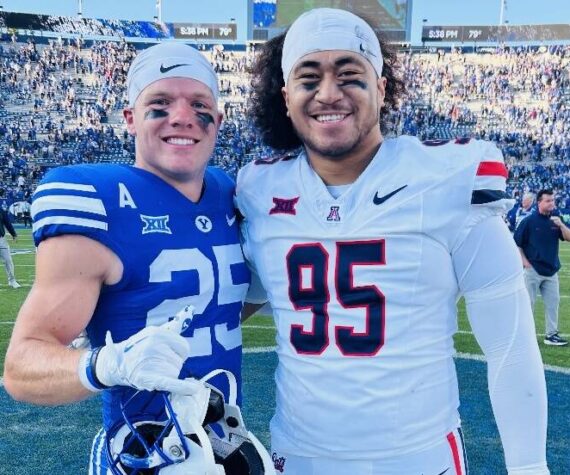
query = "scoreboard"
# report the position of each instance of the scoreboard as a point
(271, 17)
(482, 34)
(205, 31)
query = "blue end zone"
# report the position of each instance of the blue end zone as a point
(40, 440)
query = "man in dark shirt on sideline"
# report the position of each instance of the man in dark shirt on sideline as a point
(537, 237)
(6, 225)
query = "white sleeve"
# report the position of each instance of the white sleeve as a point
(256, 294)
(489, 272)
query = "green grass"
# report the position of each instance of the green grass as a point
(259, 331)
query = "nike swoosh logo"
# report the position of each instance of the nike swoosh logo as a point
(378, 200)
(168, 68)
(231, 220)
(130, 347)
(445, 471)
(366, 51)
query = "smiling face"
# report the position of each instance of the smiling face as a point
(175, 122)
(334, 99)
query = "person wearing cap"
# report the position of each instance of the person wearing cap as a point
(121, 249)
(363, 245)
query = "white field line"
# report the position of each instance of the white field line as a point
(266, 327)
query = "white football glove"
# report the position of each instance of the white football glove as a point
(149, 360)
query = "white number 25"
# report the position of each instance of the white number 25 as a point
(176, 260)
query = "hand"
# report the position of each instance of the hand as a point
(527, 265)
(557, 221)
(150, 359)
(14, 238)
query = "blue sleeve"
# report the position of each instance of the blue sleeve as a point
(67, 201)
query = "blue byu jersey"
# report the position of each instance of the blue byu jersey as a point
(174, 253)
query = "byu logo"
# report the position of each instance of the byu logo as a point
(333, 214)
(203, 223)
(155, 224)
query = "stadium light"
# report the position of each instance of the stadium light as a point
(503, 8)
(424, 21)
(79, 8)
(158, 16)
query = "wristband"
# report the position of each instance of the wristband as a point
(86, 371)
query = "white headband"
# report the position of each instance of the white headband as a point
(326, 29)
(169, 60)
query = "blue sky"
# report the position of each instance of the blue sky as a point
(437, 12)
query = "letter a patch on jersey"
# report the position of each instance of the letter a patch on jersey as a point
(125, 198)
(334, 215)
(284, 206)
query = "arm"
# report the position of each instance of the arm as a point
(525, 261)
(490, 276)
(39, 366)
(520, 237)
(8, 225)
(563, 228)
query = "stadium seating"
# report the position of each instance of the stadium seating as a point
(61, 103)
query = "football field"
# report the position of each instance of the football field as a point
(56, 440)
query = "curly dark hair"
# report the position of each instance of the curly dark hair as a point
(267, 107)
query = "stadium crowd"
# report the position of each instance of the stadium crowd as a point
(61, 103)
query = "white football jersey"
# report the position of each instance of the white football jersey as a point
(364, 291)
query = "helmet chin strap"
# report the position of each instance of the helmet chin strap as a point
(188, 415)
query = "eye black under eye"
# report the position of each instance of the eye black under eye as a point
(309, 86)
(354, 82)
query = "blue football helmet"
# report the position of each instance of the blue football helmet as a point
(199, 434)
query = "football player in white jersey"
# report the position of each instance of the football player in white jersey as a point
(364, 245)
(121, 249)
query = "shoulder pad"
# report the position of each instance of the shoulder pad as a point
(439, 142)
(68, 202)
(278, 158)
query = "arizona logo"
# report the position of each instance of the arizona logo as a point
(284, 206)
(333, 214)
(278, 462)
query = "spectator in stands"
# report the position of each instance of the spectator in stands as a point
(122, 249)
(364, 245)
(538, 236)
(5, 255)
(525, 208)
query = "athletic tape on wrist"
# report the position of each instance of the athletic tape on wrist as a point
(87, 374)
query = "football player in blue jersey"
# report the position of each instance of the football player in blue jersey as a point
(364, 244)
(121, 249)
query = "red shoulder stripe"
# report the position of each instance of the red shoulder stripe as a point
(492, 168)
